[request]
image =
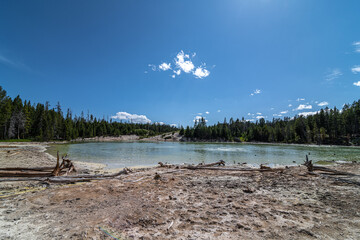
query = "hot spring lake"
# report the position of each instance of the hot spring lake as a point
(130, 154)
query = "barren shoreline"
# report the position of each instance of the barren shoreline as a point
(181, 204)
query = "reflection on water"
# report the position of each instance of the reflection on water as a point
(121, 154)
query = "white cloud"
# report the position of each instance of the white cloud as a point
(201, 72)
(290, 105)
(357, 46)
(303, 106)
(357, 83)
(173, 125)
(305, 114)
(355, 69)
(165, 66)
(323, 104)
(198, 118)
(183, 62)
(207, 112)
(134, 118)
(284, 112)
(159, 123)
(258, 113)
(277, 115)
(219, 110)
(249, 114)
(256, 91)
(300, 99)
(152, 66)
(335, 73)
(259, 117)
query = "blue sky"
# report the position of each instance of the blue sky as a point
(236, 59)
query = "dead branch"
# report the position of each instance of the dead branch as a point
(219, 163)
(308, 163)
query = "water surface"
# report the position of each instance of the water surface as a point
(129, 154)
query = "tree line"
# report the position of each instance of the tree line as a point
(22, 120)
(327, 126)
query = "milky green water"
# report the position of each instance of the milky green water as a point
(129, 154)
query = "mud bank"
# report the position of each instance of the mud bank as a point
(189, 204)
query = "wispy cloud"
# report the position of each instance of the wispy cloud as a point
(207, 112)
(260, 117)
(284, 112)
(152, 66)
(5, 60)
(256, 91)
(335, 73)
(357, 84)
(290, 105)
(16, 64)
(133, 118)
(218, 110)
(277, 115)
(299, 99)
(357, 46)
(355, 69)
(303, 106)
(165, 66)
(324, 103)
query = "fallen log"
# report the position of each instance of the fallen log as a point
(43, 169)
(64, 179)
(25, 174)
(235, 169)
(124, 171)
(219, 163)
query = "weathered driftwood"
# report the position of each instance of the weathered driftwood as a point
(65, 167)
(222, 163)
(66, 179)
(236, 169)
(25, 174)
(59, 174)
(219, 163)
(65, 164)
(308, 163)
(43, 169)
